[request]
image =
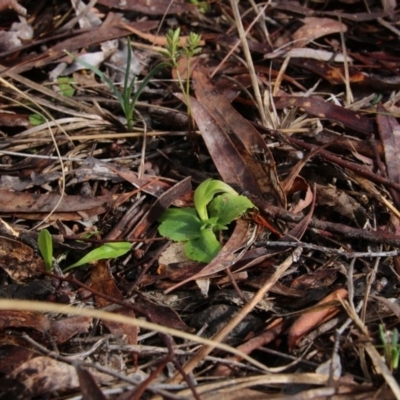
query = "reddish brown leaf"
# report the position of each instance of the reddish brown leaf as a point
(270, 333)
(318, 279)
(309, 320)
(248, 140)
(24, 319)
(64, 329)
(227, 159)
(14, 119)
(315, 28)
(148, 184)
(103, 282)
(13, 355)
(90, 389)
(333, 74)
(30, 203)
(160, 314)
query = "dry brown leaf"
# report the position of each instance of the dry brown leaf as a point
(339, 201)
(103, 282)
(19, 260)
(90, 389)
(227, 159)
(24, 319)
(322, 109)
(43, 375)
(252, 148)
(64, 329)
(315, 28)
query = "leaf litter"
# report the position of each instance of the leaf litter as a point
(295, 105)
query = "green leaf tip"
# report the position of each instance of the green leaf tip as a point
(45, 244)
(106, 251)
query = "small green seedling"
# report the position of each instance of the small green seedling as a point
(45, 244)
(36, 119)
(391, 347)
(202, 6)
(125, 99)
(197, 227)
(105, 251)
(174, 51)
(64, 83)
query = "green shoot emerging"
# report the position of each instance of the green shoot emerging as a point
(126, 99)
(45, 244)
(197, 227)
(174, 51)
(391, 349)
(106, 251)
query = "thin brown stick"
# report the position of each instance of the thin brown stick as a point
(219, 337)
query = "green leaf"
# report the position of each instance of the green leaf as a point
(146, 80)
(180, 224)
(106, 251)
(227, 207)
(204, 248)
(45, 243)
(205, 193)
(36, 119)
(64, 83)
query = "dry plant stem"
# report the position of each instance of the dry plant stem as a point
(371, 280)
(357, 168)
(330, 250)
(137, 393)
(349, 93)
(98, 367)
(271, 379)
(250, 65)
(40, 306)
(376, 358)
(48, 117)
(236, 45)
(47, 92)
(342, 230)
(220, 336)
